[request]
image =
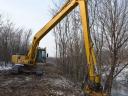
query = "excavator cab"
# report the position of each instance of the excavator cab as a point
(41, 55)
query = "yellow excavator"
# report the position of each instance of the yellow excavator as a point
(92, 84)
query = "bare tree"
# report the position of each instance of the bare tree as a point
(69, 49)
(110, 34)
(12, 40)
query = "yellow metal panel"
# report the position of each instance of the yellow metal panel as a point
(14, 59)
(19, 59)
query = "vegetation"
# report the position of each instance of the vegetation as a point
(109, 32)
(12, 40)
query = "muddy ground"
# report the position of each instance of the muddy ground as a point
(50, 84)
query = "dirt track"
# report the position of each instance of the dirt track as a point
(50, 84)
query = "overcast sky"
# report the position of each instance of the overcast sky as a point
(32, 14)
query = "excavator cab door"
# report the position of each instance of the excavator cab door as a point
(41, 56)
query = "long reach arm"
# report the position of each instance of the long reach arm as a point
(68, 7)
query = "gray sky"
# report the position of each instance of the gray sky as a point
(32, 14)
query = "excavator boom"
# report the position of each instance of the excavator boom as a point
(68, 7)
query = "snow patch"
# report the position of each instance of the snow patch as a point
(61, 82)
(122, 75)
(5, 68)
(58, 93)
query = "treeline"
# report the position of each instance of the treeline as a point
(108, 20)
(70, 51)
(13, 40)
